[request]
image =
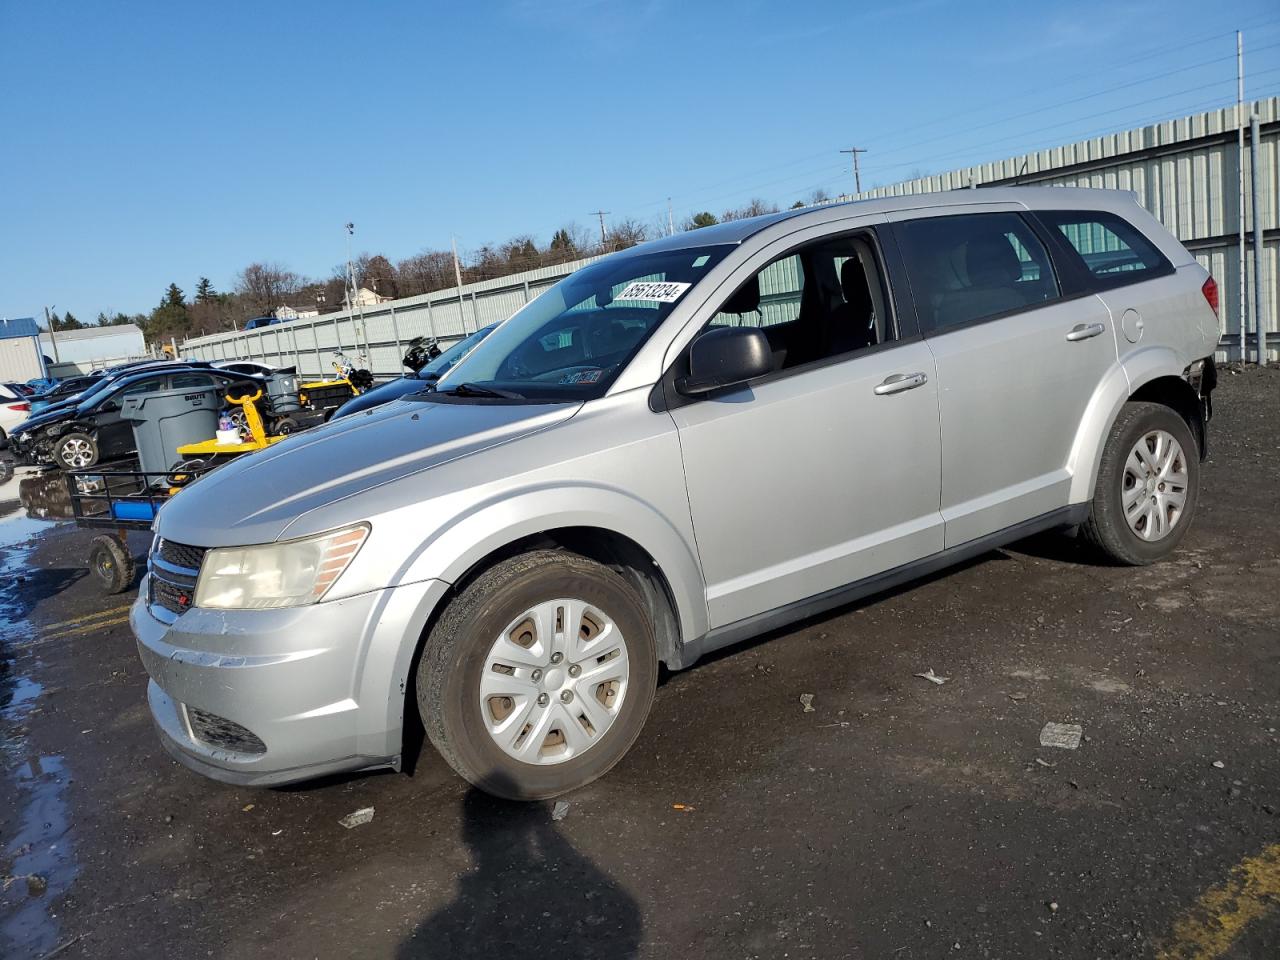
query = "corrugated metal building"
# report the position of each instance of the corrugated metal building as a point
(1183, 170)
(79, 350)
(20, 358)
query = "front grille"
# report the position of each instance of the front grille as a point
(176, 598)
(181, 555)
(220, 732)
(175, 568)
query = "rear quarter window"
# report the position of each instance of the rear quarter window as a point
(1111, 250)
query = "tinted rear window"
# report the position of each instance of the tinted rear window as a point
(1113, 250)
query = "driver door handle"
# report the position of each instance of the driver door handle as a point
(1083, 331)
(900, 382)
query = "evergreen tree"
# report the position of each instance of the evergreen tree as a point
(704, 219)
(204, 291)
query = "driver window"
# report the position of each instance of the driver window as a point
(823, 300)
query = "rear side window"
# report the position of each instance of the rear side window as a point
(973, 267)
(1113, 250)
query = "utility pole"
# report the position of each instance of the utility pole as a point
(355, 300)
(671, 220)
(601, 214)
(857, 174)
(53, 336)
(1244, 295)
(457, 275)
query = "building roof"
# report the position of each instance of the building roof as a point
(88, 333)
(18, 327)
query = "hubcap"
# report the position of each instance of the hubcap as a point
(1154, 487)
(554, 681)
(76, 453)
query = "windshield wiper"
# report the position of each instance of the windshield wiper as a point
(475, 390)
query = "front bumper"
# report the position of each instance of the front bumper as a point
(317, 689)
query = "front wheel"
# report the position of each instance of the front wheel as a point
(1148, 486)
(75, 451)
(539, 675)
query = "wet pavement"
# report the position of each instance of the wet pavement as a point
(899, 818)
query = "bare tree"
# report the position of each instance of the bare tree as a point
(425, 272)
(755, 208)
(264, 286)
(626, 233)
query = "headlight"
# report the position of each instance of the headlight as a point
(286, 574)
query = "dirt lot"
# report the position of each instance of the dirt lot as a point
(899, 818)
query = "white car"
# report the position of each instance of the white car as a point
(13, 410)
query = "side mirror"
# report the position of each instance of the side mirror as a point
(725, 357)
(111, 406)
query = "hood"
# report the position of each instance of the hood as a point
(382, 394)
(46, 416)
(256, 497)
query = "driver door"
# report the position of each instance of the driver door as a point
(826, 471)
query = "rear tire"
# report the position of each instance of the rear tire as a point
(285, 426)
(75, 451)
(1148, 486)
(580, 689)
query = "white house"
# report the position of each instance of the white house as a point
(367, 298)
(287, 312)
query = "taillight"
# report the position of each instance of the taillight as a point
(1210, 291)
(20, 407)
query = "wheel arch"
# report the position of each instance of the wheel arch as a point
(1155, 375)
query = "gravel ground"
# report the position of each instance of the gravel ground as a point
(899, 818)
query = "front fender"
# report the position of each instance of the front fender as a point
(490, 525)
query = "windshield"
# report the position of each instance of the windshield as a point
(573, 340)
(442, 364)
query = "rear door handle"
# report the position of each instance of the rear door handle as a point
(899, 382)
(1083, 331)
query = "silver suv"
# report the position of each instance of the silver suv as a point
(675, 448)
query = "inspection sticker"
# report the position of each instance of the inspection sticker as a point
(648, 291)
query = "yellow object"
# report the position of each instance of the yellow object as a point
(1207, 930)
(258, 438)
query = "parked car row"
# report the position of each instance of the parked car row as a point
(680, 446)
(85, 427)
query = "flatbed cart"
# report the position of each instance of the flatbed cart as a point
(120, 500)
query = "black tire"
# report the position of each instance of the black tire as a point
(456, 649)
(285, 426)
(1106, 530)
(111, 564)
(328, 414)
(78, 447)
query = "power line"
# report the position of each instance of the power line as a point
(1191, 42)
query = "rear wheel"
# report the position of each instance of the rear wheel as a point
(538, 676)
(75, 451)
(1148, 486)
(111, 563)
(285, 426)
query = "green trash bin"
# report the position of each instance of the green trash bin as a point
(164, 420)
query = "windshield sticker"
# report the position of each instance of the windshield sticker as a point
(701, 261)
(582, 376)
(646, 291)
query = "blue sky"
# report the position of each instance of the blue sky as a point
(153, 142)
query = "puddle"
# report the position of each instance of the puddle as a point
(37, 851)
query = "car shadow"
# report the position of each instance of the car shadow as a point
(529, 893)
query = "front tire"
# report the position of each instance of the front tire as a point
(75, 451)
(539, 675)
(1148, 486)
